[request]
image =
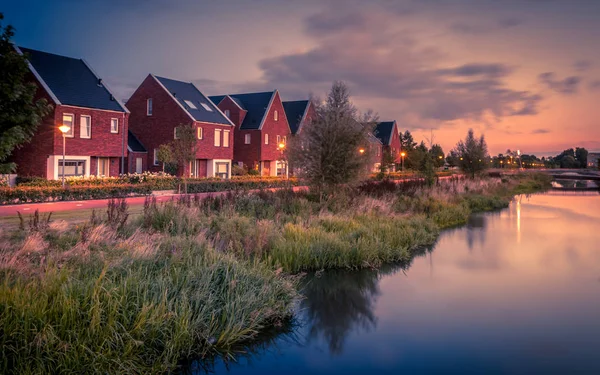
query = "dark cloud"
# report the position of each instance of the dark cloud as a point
(595, 85)
(382, 62)
(506, 23)
(568, 85)
(471, 28)
(582, 65)
(540, 131)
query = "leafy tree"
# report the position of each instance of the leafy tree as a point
(165, 155)
(414, 158)
(437, 153)
(20, 114)
(581, 154)
(472, 154)
(407, 142)
(328, 148)
(568, 161)
(183, 149)
(452, 159)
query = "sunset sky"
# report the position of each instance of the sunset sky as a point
(526, 73)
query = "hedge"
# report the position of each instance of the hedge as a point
(35, 194)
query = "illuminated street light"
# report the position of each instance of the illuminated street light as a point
(64, 129)
(403, 154)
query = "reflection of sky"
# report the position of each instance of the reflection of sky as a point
(493, 304)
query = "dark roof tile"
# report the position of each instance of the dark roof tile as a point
(134, 144)
(294, 112)
(255, 103)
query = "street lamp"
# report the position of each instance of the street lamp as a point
(64, 129)
(281, 147)
(361, 150)
(403, 154)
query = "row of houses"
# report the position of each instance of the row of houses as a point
(107, 137)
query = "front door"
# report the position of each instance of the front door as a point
(138, 165)
(266, 170)
(104, 167)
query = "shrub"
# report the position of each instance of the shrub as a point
(45, 194)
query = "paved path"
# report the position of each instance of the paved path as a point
(10, 210)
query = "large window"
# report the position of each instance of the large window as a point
(85, 127)
(114, 125)
(149, 106)
(71, 168)
(247, 139)
(68, 121)
(222, 170)
(217, 137)
(225, 138)
(266, 139)
(155, 156)
(275, 116)
(103, 167)
(200, 135)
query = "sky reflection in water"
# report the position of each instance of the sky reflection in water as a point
(514, 292)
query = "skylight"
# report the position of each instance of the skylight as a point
(206, 107)
(190, 104)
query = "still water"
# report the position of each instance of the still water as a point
(514, 292)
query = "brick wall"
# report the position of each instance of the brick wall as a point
(274, 128)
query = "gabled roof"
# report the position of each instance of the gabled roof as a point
(295, 112)
(373, 138)
(257, 105)
(183, 92)
(134, 144)
(217, 99)
(71, 81)
(383, 131)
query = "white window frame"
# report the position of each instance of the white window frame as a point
(227, 113)
(267, 139)
(71, 132)
(275, 115)
(149, 107)
(247, 139)
(206, 106)
(190, 104)
(89, 128)
(111, 125)
(175, 133)
(278, 140)
(217, 138)
(155, 161)
(200, 133)
(225, 138)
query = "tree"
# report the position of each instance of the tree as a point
(414, 158)
(472, 154)
(20, 114)
(581, 154)
(183, 149)
(407, 142)
(165, 155)
(327, 151)
(437, 153)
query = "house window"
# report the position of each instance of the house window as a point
(175, 133)
(149, 107)
(247, 139)
(103, 167)
(114, 125)
(71, 167)
(266, 139)
(199, 133)
(190, 104)
(222, 170)
(68, 121)
(278, 140)
(225, 138)
(275, 116)
(284, 140)
(205, 106)
(217, 137)
(85, 127)
(155, 162)
(227, 113)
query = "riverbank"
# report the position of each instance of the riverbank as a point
(194, 277)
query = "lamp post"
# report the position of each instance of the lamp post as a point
(64, 129)
(403, 154)
(281, 147)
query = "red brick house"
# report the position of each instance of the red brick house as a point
(96, 142)
(160, 105)
(298, 113)
(137, 155)
(387, 133)
(260, 126)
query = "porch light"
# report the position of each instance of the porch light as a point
(361, 150)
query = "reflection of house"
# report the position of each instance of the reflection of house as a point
(160, 105)
(593, 160)
(298, 113)
(261, 125)
(387, 133)
(96, 142)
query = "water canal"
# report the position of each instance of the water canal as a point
(514, 292)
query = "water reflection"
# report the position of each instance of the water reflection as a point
(514, 292)
(575, 184)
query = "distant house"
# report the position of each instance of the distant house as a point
(261, 126)
(375, 153)
(387, 133)
(298, 113)
(96, 142)
(160, 105)
(593, 160)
